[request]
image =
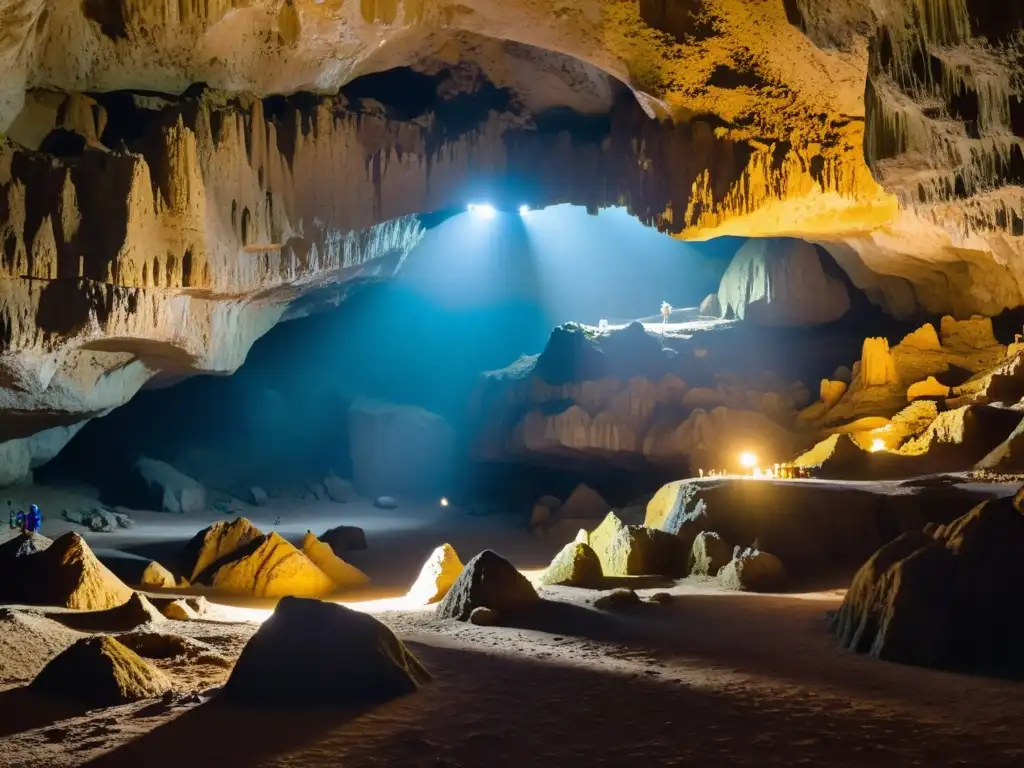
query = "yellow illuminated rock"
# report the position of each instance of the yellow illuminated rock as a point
(271, 567)
(344, 575)
(930, 387)
(436, 576)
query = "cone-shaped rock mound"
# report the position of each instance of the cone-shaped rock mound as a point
(215, 542)
(312, 653)
(488, 581)
(437, 575)
(268, 566)
(100, 672)
(576, 565)
(343, 574)
(946, 598)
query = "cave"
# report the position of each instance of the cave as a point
(371, 371)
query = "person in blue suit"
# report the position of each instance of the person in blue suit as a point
(33, 520)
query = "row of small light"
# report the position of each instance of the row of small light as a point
(488, 211)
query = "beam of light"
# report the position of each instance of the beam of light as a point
(484, 211)
(748, 460)
(523, 210)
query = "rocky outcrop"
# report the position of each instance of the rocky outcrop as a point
(215, 542)
(399, 450)
(940, 599)
(268, 566)
(357, 661)
(778, 281)
(100, 672)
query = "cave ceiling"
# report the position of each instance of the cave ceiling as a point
(176, 172)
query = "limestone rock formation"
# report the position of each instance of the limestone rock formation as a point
(753, 571)
(940, 600)
(930, 387)
(399, 450)
(167, 489)
(439, 572)
(709, 554)
(576, 565)
(215, 542)
(779, 281)
(357, 661)
(488, 581)
(268, 566)
(100, 672)
(344, 575)
(344, 538)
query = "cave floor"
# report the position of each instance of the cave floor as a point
(710, 678)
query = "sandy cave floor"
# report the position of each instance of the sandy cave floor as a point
(710, 679)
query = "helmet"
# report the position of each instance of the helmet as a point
(34, 508)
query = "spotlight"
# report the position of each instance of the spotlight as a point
(444, 501)
(523, 210)
(877, 445)
(748, 460)
(483, 210)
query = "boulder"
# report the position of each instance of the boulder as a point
(355, 659)
(576, 565)
(344, 575)
(399, 449)
(781, 282)
(337, 489)
(633, 550)
(167, 489)
(441, 570)
(709, 554)
(268, 566)
(100, 672)
(345, 538)
(753, 571)
(258, 496)
(97, 519)
(711, 306)
(617, 600)
(180, 610)
(215, 542)
(484, 617)
(385, 502)
(155, 576)
(491, 581)
(945, 599)
(584, 503)
(66, 574)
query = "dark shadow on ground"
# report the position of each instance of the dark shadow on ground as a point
(24, 710)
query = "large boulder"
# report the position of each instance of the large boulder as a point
(100, 672)
(399, 450)
(344, 538)
(709, 554)
(354, 660)
(576, 565)
(66, 574)
(753, 571)
(167, 489)
(437, 575)
(215, 542)
(344, 575)
(945, 599)
(781, 282)
(634, 550)
(268, 566)
(490, 581)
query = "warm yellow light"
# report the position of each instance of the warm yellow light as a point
(877, 445)
(748, 460)
(444, 501)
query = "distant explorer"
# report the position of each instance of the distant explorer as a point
(33, 520)
(666, 311)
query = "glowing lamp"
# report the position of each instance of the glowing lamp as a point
(748, 460)
(482, 210)
(444, 501)
(877, 445)
(523, 210)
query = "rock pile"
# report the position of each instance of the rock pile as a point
(355, 659)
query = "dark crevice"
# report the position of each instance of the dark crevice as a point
(109, 15)
(593, 128)
(127, 122)
(684, 20)
(63, 143)
(730, 79)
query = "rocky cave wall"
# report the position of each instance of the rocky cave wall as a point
(147, 236)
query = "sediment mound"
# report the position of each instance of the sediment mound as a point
(215, 542)
(268, 567)
(437, 575)
(345, 537)
(576, 565)
(137, 571)
(163, 645)
(28, 640)
(136, 612)
(68, 574)
(753, 571)
(23, 544)
(354, 660)
(490, 581)
(100, 672)
(344, 575)
(944, 600)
